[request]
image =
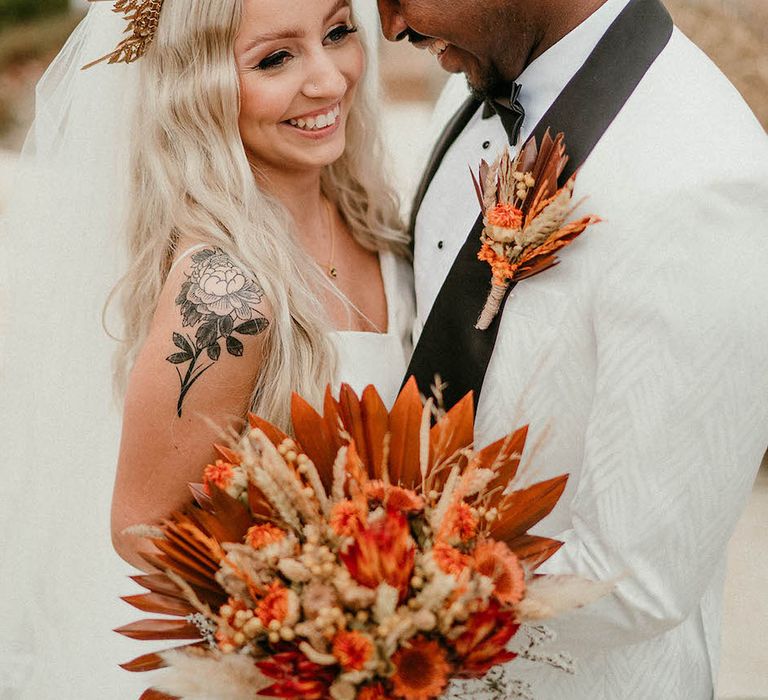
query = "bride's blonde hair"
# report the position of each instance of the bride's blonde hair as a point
(192, 180)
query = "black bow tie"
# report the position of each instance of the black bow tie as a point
(511, 117)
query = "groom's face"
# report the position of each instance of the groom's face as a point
(466, 36)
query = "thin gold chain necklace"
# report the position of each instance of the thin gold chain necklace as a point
(331, 268)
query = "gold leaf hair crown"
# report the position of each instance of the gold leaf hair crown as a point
(142, 17)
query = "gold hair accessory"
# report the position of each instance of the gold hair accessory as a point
(143, 17)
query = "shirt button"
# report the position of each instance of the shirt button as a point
(440, 245)
(486, 145)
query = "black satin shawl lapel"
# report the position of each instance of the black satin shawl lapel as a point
(449, 345)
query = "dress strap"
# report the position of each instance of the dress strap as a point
(187, 253)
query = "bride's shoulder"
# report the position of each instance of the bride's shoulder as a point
(215, 298)
(211, 318)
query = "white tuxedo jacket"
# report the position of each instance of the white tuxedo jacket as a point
(641, 364)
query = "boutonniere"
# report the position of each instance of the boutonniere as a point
(524, 216)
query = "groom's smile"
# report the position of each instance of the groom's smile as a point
(480, 39)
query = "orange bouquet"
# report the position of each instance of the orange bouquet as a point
(372, 555)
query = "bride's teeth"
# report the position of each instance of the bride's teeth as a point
(320, 122)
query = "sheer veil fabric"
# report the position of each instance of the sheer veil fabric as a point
(60, 256)
(60, 424)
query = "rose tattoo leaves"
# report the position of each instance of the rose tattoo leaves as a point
(219, 301)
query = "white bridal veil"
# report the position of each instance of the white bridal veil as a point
(59, 424)
(60, 256)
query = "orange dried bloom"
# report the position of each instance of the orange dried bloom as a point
(383, 552)
(353, 650)
(483, 644)
(496, 561)
(274, 605)
(372, 692)
(503, 270)
(219, 474)
(347, 518)
(463, 523)
(395, 497)
(263, 535)
(449, 559)
(421, 670)
(505, 216)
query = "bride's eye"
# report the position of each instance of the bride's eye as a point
(275, 60)
(338, 34)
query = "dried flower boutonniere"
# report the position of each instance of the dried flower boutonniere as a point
(524, 214)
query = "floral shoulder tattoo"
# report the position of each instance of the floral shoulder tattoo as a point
(218, 301)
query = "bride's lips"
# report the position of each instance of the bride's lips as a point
(318, 124)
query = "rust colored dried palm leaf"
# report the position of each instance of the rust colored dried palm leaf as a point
(521, 510)
(533, 551)
(314, 438)
(159, 629)
(153, 694)
(160, 604)
(405, 428)
(454, 432)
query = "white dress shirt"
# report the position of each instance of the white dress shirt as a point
(450, 207)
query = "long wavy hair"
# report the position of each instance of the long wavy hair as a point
(192, 179)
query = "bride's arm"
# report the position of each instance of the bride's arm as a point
(192, 379)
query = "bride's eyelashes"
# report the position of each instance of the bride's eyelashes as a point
(336, 36)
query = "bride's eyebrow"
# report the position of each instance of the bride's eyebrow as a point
(293, 32)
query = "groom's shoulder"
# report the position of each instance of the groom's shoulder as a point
(686, 110)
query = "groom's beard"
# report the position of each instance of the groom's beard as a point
(489, 85)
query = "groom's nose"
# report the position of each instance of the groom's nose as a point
(393, 24)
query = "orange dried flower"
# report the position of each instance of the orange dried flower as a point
(373, 692)
(353, 650)
(383, 552)
(347, 518)
(483, 644)
(421, 670)
(496, 561)
(263, 535)
(219, 474)
(463, 523)
(449, 559)
(505, 216)
(274, 605)
(395, 497)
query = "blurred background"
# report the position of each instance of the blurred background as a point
(734, 33)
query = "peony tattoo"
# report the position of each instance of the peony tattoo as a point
(220, 301)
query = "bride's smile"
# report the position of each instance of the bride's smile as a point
(299, 66)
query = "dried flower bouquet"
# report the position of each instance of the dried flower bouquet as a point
(376, 555)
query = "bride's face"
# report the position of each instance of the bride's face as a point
(300, 63)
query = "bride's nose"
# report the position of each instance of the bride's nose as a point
(325, 79)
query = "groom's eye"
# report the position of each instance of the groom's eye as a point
(275, 60)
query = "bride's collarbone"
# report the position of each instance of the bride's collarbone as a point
(361, 304)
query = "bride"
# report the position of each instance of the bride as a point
(263, 238)
(265, 256)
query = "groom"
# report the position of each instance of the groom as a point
(641, 360)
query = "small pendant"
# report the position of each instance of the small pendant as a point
(333, 272)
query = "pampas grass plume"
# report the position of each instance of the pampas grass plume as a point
(193, 676)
